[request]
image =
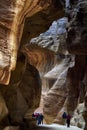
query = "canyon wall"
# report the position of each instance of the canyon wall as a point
(20, 82)
(52, 63)
(13, 23)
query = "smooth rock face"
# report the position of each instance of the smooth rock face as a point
(54, 78)
(12, 17)
(56, 96)
(23, 90)
(22, 94)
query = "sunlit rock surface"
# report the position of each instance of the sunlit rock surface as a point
(42, 59)
(54, 81)
(54, 38)
(18, 24)
(78, 119)
(12, 18)
(56, 96)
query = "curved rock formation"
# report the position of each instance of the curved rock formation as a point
(22, 95)
(18, 24)
(41, 58)
(12, 19)
(53, 81)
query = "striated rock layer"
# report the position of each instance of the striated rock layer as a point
(12, 18)
(54, 77)
(20, 20)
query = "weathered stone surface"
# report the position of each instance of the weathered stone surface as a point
(53, 81)
(23, 92)
(78, 119)
(12, 19)
(54, 37)
(40, 58)
(25, 80)
(77, 32)
(76, 44)
(56, 96)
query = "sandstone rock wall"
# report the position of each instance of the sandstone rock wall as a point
(12, 18)
(24, 81)
(76, 44)
(66, 86)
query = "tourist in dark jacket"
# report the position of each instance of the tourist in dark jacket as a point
(68, 118)
(41, 117)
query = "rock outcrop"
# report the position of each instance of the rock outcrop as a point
(21, 89)
(14, 16)
(76, 44)
(54, 81)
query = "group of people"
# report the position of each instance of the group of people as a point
(67, 118)
(38, 117)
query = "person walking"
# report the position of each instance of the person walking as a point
(41, 117)
(64, 115)
(68, 118)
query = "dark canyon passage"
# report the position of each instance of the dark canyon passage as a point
(43, 59)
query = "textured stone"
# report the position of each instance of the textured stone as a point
(40, 58)
(23, 92)
(54, 37)
(76, 44)
(12, 18)
(77, 32)
(78, 119)
(55, 97)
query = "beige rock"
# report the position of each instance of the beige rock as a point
(12, 18)
(11, 128)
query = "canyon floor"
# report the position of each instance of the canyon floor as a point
(55, 127)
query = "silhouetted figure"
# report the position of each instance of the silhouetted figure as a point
(68, 118)
(41, 117)
(64, 115)
(38, 119)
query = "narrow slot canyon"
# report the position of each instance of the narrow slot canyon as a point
(43, 64)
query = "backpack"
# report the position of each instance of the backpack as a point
(64, 115)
